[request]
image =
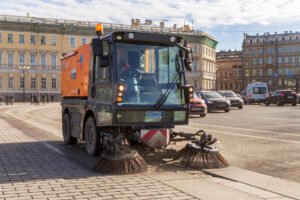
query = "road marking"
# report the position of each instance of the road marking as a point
(247, 129)
(250, 136)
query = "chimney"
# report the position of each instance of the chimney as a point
(138, 22)
(28, 15)
(132, 22)
(174, 26)
(257, 34)
(148, 22)
(162, 24)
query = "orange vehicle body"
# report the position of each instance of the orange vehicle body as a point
(75, 72)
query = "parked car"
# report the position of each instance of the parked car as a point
(281, 97)
(214, 101)
(235, 100)
(198, 107)
(256, 93)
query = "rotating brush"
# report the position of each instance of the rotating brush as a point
(119, 158)
(199, 154)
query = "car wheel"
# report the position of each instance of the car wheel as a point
(91, 137)
(278, 103)
(267, 103)
(294, 104)
(227, 110)
(66, 126)
(240, 107)
(202, 115)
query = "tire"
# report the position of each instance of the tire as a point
(91, 137)
(202, 115)
(66, 126)
(227, 110)
(267, 103)
(240, 107)
(294, 104)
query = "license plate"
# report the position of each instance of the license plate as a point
(197, 109)
(290, 97)
(155, 114)
(221, 105)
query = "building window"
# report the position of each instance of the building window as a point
(293, 59)
(269, 60)
(260, 51)
(53, 83)
(32, 59)
(270, 51)
(247, 51)
(53, 60)
(279, 71)
(254, 61)
(195, 49)
(32, 39)
(195, 65)
(286, 49)
(10, 58)
(72, 42)
(0, 37)
(0, 82)
(1, 58)
(32, 82)
(260, 72)
(279, 50)
(43, 83)
(22, 82)
(53, 40)
(43, 60)
(298, 48)
(298, 60)
(260, 61)
(269, 72)
(83, 41)
(253, 51)
(247, 73)
(43, 40)
(10, 38)
(21, 39)
(286, 60)
(21, 59)
(195, 84)
(279, 60)
(293, 49)
(254, 72)
(10, 82)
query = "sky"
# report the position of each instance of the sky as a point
(225, 20)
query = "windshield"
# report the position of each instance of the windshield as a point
(209, 95)
(228, 94)
(259, 90)
(147, 71)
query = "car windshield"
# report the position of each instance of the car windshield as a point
(228, 94)
(209, 95)
(259, 90)
(149, 74)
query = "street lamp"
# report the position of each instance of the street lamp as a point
(24, 69)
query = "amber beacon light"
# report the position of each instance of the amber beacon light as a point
(99, 30)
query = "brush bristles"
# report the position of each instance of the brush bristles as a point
(201, 158)
(132, 165)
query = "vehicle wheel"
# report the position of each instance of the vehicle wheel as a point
(267, 103)
(294, 104)
(278, 103)
(240, 107)
(66, 126)
(91, 137)
(202, 115)
(227, 110)
(250, 102)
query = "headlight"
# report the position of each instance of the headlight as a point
(228, 101)
(202, 101)
(209, 102)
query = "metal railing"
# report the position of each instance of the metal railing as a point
(152, 28)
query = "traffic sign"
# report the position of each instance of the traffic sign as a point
(275, 74)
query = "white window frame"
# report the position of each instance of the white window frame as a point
(23, 39)
(22, 81)
(53, 41)
(53, 64)
(43, 83)
(32, 82)
(32, 41)
(53, 83)
(70, 44)
(43, 59)
(10, 82)
(8, 58)
(85, 40)
(21, 63)
(32, 63)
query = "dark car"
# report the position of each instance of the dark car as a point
(214, 101)
(235, 101)
(281, 97)
(198, 107)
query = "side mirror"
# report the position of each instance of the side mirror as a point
(188, 59)
(103, 61)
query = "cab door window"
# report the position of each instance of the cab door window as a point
(103, 73)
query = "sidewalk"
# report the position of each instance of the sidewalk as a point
(228, 183)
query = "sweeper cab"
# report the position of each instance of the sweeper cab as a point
(125, 89)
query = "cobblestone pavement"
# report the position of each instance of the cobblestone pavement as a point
(32, 169)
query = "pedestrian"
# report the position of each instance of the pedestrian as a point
(6, 99)
(32, 99)
(12, 99)
(52, 98)
(43, 99)
(1, 100)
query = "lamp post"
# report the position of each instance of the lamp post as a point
(23, 70)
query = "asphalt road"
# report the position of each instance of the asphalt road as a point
(264, 139)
